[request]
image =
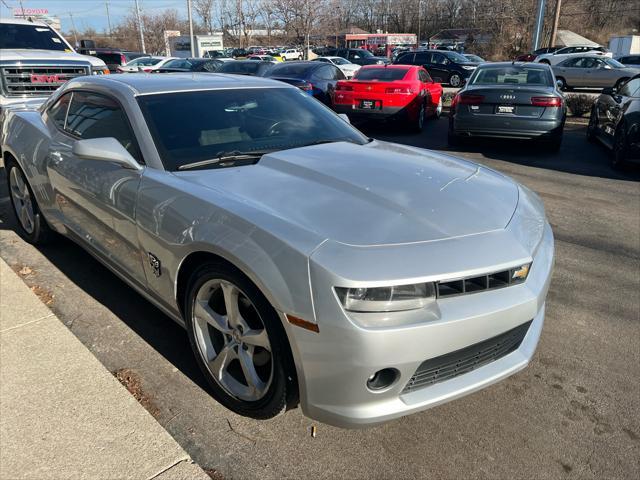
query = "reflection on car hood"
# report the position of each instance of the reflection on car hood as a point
(374, 194)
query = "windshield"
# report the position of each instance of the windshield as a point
(30, 36)
(365, 53)
(614, 63)
(511, 75)
(381, 74)
(340, 61)
(144, 61)
(190, 127)
(179, 63)
(456, 57)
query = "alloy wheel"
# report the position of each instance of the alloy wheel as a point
(455, 80)
(22, 202)
(232, 340)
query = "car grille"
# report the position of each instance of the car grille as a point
(27, 80)
(450, 365)
(464, 286)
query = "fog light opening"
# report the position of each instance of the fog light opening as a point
(382, 379)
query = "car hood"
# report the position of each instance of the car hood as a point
(48, 55)
(374, 194)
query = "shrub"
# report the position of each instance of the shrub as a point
(579, 104)
(447, 97)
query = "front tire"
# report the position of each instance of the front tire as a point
(32, 225)
(438, 110)
(239, 342)
(417, 124)
(455, 80)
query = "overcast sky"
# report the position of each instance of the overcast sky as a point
(92, 13)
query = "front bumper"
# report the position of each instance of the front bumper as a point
(334, 364)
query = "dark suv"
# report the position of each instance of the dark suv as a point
(112, 57)
(443, 66)
(359, 56)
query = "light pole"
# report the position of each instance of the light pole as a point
(537, 29)
(140, 28)
(190, 27)
(419, 21)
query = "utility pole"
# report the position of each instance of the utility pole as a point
(556, 21)
(140, 28)
(190, 28)
(419, 21)
(537, 29)
(73, 25)
(106, 4)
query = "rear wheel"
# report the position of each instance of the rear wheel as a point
(438, 110)
(562, 83)
(417, 124)
(31, 224)
(239, 342)
(619, 147)
(455, 80)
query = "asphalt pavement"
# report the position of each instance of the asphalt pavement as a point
(573, 413)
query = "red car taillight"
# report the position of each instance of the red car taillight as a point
(398, 90)
(467, 99)
(546, 101)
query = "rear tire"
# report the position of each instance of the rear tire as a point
(619, 157)
(455, 80)
(417, 124)
(221, 306)
(438, 109)
(32, 226)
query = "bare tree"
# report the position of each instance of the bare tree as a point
(205, 10)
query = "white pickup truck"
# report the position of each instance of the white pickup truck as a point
(35, 60)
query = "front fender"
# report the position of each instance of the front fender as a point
(176, 219)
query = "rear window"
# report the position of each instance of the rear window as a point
(381, 74)
(511, 75)
(292, 70)
(243, 68)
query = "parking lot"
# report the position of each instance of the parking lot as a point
(574, 413)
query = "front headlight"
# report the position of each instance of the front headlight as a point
(100, 71)
(386, 299)
(467, 67)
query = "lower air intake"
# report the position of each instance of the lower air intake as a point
(450, 365)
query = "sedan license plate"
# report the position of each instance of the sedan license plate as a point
(505, 109)
(368, 104)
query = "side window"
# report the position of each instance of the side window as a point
(325, 73)
(427, 77)
(406, 59)
(96, 116)
(422, 58)
(210, 66)
(439, 59)
(58, 112)
(572, 62)
(338, 74)
(630, 87)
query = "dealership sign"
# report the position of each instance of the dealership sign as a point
(27, 12)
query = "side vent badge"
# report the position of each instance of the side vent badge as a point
(155, 264)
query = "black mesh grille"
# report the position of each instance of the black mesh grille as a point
(446, 367)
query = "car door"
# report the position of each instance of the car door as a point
(97, 198)
(616, 107)
(438, 68)
(571, 70)
(601, 74)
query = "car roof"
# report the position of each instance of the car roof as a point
(19, 21)
(397, 66)
(539, 66)
(144, 83)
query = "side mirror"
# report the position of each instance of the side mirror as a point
(559, 84)
(345, 117)
(609, 91)
(106, 149)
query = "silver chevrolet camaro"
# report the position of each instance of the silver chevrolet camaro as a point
(309, 264)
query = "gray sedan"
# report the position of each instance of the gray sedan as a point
(309, 264)
(592, 71)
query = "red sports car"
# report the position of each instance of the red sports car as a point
(406, 92)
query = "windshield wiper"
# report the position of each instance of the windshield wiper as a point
(224, 157)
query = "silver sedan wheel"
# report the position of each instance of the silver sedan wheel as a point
(232, 340)
(22, 200)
